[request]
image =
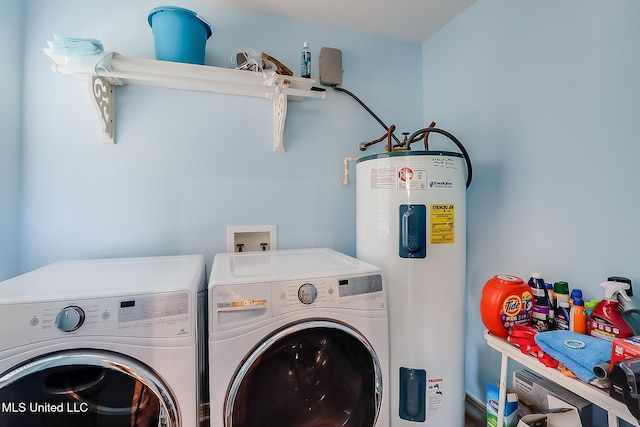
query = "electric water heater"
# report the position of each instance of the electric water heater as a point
(411, 222)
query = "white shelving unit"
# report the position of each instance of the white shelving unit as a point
(601, 398)
(110, 69)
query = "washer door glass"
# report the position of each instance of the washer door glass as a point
(317, 373)
(85, 388)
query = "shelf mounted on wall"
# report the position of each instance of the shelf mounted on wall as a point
(107, 70)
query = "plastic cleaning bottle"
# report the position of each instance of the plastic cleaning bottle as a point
(606, 321)
(562, 310)
(506, 301)
(552, 297)
(589, 306)
(305, 61)
(578, 317)
(575, 293)
(551, 321)
(541, 305)
(629, 305)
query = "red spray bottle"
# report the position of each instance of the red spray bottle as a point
(606, 322)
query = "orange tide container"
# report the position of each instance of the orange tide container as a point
(506, 301)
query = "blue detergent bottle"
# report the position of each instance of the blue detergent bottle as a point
(542, 303)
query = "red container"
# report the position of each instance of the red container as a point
(506, 301)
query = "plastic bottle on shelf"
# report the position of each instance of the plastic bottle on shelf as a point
(575, 293)
(506, 302)
(305, 61)
(589, 306)
(629, 305)
(562, 309)
(551, 321)
(552, 297)
(578, 317)
(541, 305)
(606, 321)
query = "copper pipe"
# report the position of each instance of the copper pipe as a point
(422, 134)
(426, 136)
(363, 145)
(392, 128)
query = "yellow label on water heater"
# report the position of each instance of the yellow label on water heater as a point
(441, 221)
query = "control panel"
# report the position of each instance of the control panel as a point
(242, 304)
(158, 315)
(361, 292)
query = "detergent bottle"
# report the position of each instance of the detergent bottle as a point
(578, 317)
(506, 301)
(541, 303)
(629, 306)
(562, 309)
(606, 321)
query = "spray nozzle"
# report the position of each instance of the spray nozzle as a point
(611, 288)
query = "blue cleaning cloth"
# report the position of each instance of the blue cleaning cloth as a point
(578, 352)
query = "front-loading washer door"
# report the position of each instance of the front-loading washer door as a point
(85, 388)
(314, 373)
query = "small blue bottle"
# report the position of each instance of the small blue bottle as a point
(305, 61)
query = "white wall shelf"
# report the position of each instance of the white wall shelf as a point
(601, 398)
(110, 69)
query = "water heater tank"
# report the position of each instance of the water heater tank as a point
(411, 222)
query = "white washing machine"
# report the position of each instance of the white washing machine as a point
(103, 343)
(297, 338)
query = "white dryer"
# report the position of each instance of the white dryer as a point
(103, 343)
(297, 338)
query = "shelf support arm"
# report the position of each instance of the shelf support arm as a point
(103, 95)
(279, 117)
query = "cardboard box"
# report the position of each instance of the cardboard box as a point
(510, 407)
(625, 348)
(535, 388)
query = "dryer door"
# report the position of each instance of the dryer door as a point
(85, 388)
(315, 373)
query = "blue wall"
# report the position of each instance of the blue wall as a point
(186, 164)
(11, 28)
(546, 97)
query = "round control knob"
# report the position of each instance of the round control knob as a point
(70, 318)
(307, 293)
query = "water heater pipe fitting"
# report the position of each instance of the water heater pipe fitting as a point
(345, 181)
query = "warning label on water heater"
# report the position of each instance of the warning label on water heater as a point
(442, 223)
(403, 178)
(435, 393)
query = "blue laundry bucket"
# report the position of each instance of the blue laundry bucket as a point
(179, 34)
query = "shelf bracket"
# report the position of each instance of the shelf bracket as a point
(103, 95)
(279, 117)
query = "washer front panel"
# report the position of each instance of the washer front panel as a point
(160, 315)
